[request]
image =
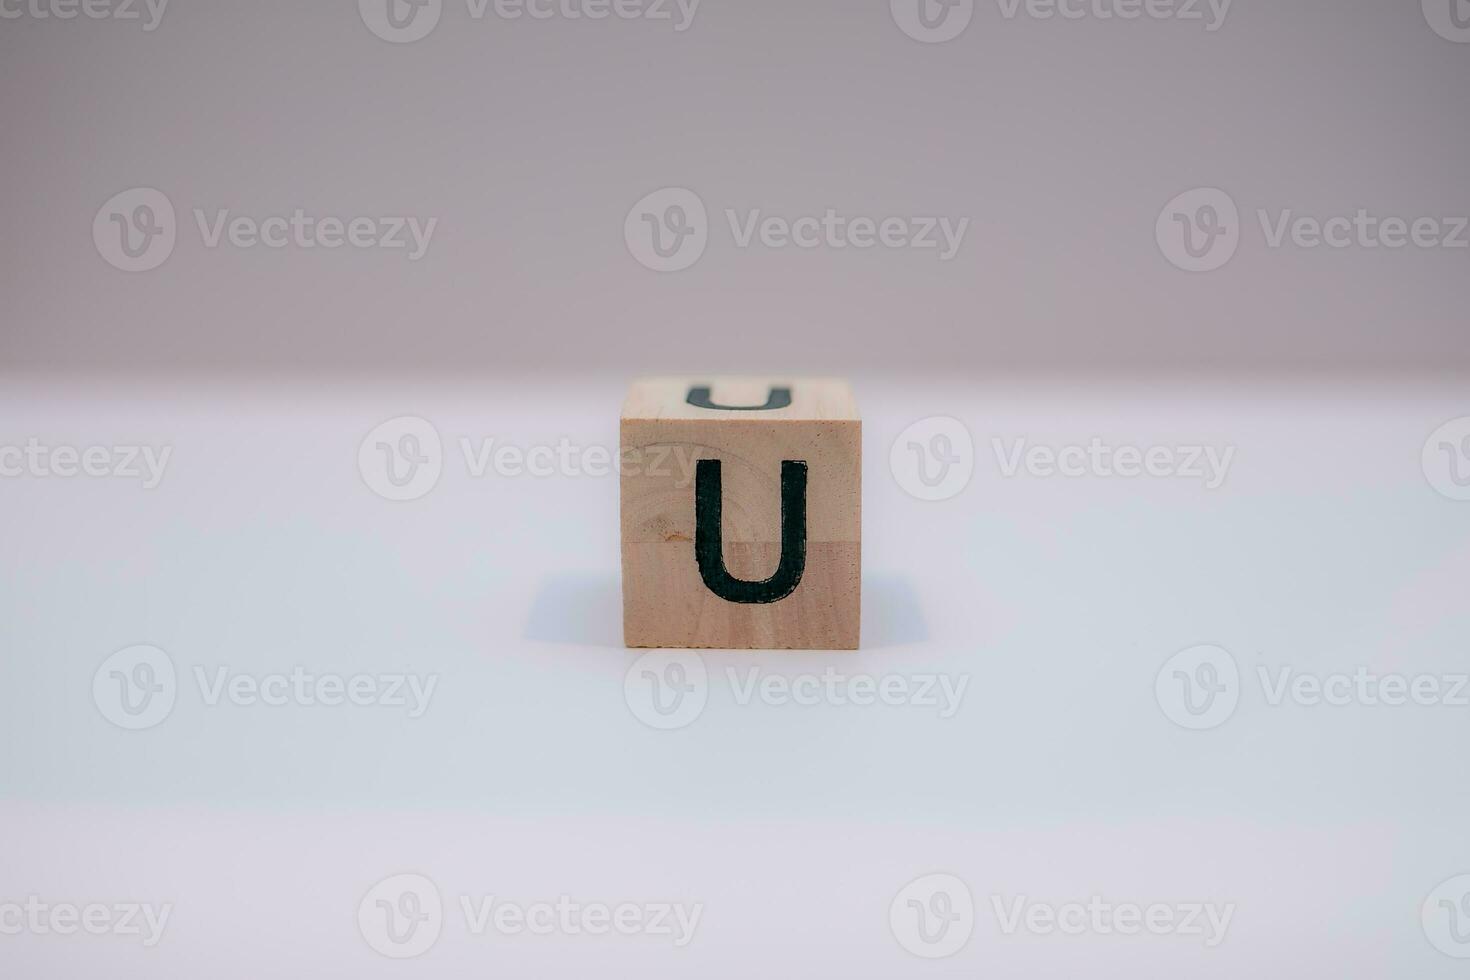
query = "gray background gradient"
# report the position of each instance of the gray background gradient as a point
(529, 140)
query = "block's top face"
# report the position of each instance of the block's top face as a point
(765, 399)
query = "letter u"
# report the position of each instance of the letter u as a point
(699, 397)
(709, 548)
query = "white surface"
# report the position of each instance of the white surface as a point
(1056, 600)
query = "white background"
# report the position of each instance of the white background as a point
(529, 777)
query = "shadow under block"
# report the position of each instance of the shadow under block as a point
(778, 462)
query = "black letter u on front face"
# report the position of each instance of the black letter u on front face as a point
(709, 548)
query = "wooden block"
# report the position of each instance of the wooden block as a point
(741, 513)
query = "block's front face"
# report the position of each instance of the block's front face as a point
(731, 492)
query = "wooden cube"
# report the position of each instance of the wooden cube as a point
(741, 514)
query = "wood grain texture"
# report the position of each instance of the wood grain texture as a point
(663, 437)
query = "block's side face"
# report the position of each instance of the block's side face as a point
(666, 602)
(698, 398)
